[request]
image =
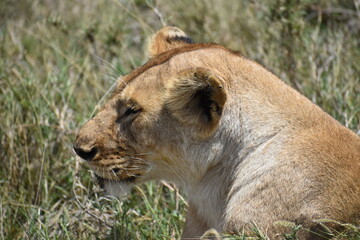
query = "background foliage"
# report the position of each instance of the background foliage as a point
(60, 59)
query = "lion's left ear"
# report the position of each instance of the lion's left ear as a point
(197, 98)
(167, 38)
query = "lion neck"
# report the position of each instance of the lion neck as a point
(216, 162)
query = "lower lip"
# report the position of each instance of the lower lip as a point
(130, 179)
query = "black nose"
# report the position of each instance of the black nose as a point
(86, 155)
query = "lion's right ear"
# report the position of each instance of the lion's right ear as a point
(197, 97)
(167, 38)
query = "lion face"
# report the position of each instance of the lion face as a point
(156, 115)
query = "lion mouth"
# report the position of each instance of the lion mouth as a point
(117, 188)
(101, 181)
(114, 174)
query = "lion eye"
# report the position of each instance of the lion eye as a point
(129, 114)
(130, 111)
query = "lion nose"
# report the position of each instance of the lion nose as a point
(85, 154)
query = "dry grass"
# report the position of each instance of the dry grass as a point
(60, 58)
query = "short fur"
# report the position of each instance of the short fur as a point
(246, 148)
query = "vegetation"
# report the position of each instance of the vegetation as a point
(60, 60)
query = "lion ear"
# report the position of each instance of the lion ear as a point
(197, 98)
(167, 38)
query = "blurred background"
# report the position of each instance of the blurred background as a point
(59, 60)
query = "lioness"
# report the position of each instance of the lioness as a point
(245, 147)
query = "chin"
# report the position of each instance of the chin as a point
(115, 188)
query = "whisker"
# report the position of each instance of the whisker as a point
(141, 154)
(133, 168)
(102, 98)
(112, 67)
(109, 77)
(122, 80)
(148, 169)
(112, 71)
(129, 173)
(137, 158)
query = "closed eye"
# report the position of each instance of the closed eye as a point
(127, 111)
(130, 111)
(128, 115)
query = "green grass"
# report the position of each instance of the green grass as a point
(58, 59)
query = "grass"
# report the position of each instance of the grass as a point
(60, 58)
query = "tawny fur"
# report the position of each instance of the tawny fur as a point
(245, 147)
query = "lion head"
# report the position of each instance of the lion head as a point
(160, 117)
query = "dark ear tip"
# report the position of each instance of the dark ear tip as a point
(166, 39)
(176, 39)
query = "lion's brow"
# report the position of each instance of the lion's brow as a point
(166, 56)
